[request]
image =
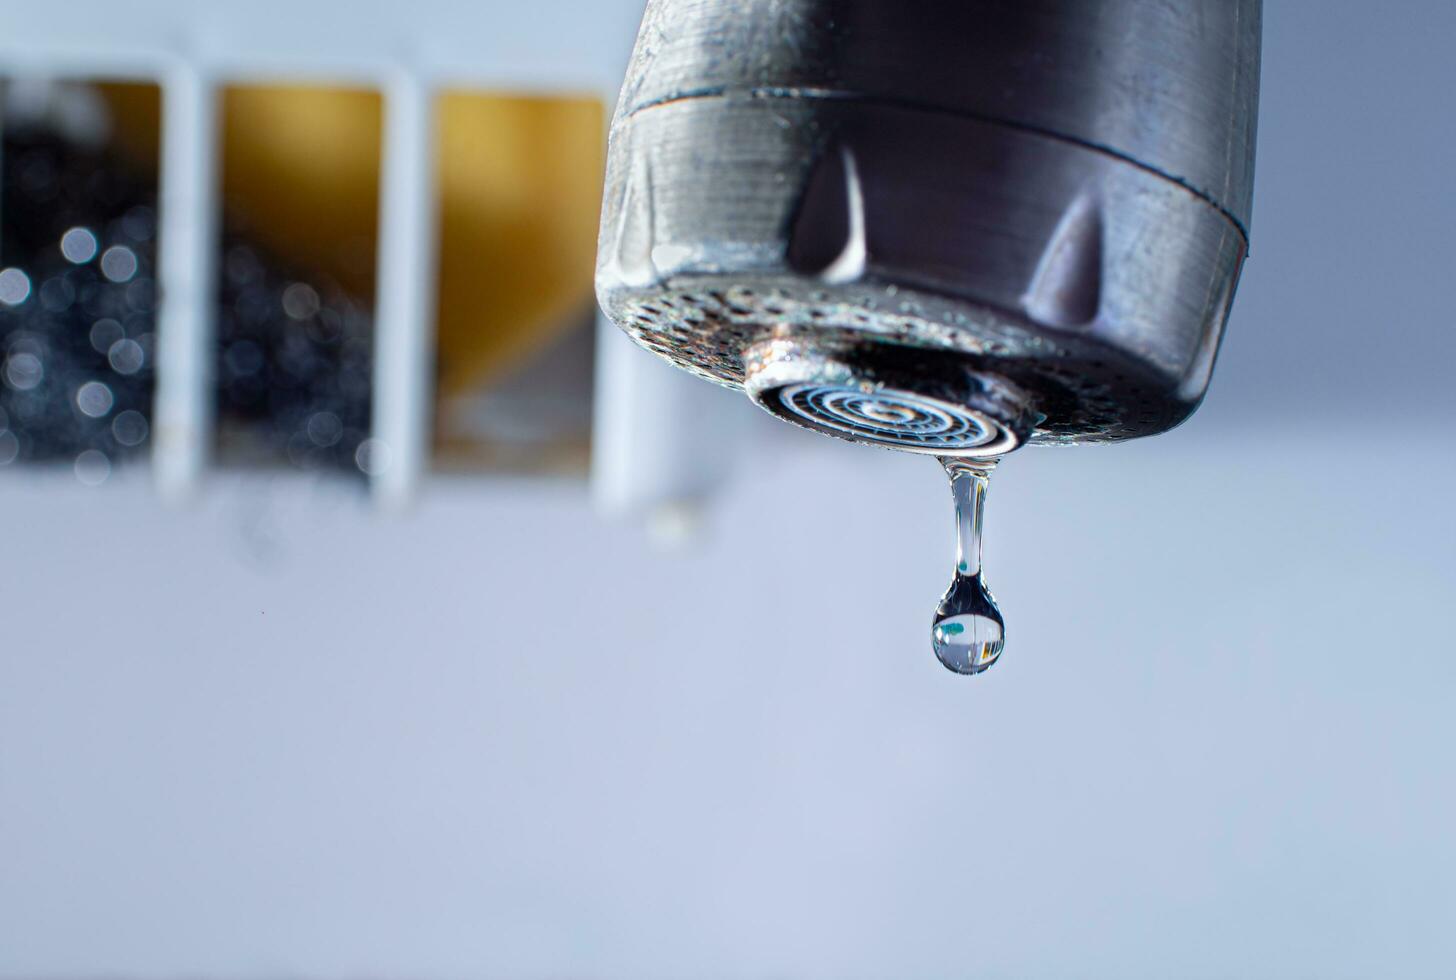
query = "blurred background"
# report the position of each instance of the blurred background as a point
(372, 617)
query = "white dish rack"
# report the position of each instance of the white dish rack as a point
(658, 433)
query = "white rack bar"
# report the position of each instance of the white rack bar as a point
(186, 281)
(4, 85)
(404, 322)
(662, 440)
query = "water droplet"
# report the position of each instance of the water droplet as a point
(372, 457)
(14, 287)
(968, 632)
(118, 263)
(301, 301)
(94, 399)
(23, 371)
(324, 428)
(78, 245)
(92, 467)
(57, 295)
(126, 356)
(104, 333)
(130, 428)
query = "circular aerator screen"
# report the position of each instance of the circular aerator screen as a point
(890, 418)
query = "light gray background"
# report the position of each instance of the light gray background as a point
(275, 735)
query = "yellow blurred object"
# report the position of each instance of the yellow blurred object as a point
(300, 166)
(520, 185)
(519, 190)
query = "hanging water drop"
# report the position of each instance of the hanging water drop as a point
(968, 632)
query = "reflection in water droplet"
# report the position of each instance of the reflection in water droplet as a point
(969, 632)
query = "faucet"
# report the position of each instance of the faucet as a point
(950, 227)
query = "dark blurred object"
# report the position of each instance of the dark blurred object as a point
(77, 303)
(77, 322)
(294, 367)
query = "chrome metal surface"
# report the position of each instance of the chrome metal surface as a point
(895, 399)
(1170, 86)
(1053, 194)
